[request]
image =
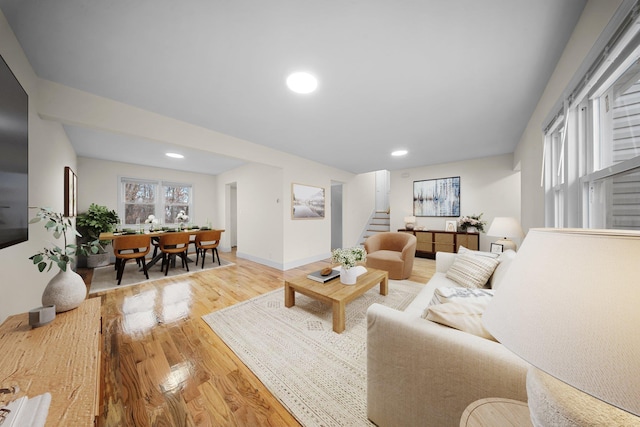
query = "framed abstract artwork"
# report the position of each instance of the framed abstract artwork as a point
(437, 197)
(307, 202)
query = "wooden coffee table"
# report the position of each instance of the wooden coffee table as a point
(334, 292)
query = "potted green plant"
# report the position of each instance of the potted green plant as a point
(97, 219)
(66, 290)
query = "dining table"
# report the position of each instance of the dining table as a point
(155, 234)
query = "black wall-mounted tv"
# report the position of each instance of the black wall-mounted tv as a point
(14, 159)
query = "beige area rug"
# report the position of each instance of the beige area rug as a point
(104, 278)
(318, 375)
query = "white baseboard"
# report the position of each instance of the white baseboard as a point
(285, 266)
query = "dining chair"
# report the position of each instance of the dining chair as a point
(131, 247)
(208, 240)
(171, 245)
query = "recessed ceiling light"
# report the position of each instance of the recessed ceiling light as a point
(399, 153)
(302, 82)
(175, 155)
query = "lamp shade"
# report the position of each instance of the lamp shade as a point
(570, 305)
(503, 226)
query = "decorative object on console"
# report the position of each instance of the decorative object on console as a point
(66, 290)
(41, 316)
(437, 197)
(497, 248)
(471, 224)
(348, 258)
(409, 222)
(571, 297)
(450, 226)
(506, 227)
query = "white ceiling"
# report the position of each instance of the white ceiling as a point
(446, 80)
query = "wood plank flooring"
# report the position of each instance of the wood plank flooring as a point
(162, 364)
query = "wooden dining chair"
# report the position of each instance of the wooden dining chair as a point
(208, 240)
(131, 247)
(172, 245)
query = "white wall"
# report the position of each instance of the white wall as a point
(595, 17)
(98, 182)
(358, 203)
(259, 201)
(488, 186)
(21, 284)
(266, 231)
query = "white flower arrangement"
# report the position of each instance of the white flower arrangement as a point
(151, 219)
(349, 257)
(182, 216)
(471, 221)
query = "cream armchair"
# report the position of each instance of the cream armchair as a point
(392, 252)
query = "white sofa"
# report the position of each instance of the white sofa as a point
(421, 373)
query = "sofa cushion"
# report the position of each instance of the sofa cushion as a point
(466, 317)
(385, 255)
(472, 271)
(464, 250)
(505, 259)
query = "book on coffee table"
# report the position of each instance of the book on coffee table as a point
(323, 279)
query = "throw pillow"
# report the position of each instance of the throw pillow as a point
(471, 271)
(465, 317)
(448, 294)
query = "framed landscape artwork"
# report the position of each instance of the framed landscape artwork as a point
(437, 197)
(307, 202)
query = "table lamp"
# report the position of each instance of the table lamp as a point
(506, 227)
(570, 306)
(409, 222)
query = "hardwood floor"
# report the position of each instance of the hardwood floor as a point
(162, 364)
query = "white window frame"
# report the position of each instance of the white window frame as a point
(568, 201)
(160, 204)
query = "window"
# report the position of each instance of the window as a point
(591, 164)
(164, 200)
(555, 171)
(177, 197)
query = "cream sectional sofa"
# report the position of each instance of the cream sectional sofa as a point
(421, 373)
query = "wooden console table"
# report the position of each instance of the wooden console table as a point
(432, 241)
(62, 358)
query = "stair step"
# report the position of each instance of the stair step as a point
(377, 227)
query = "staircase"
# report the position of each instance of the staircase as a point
(378, 222)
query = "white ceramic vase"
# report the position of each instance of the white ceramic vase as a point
(66, 290)
(348, 276)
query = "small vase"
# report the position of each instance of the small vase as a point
(472, 230)
(66, 290)
(348, 276)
